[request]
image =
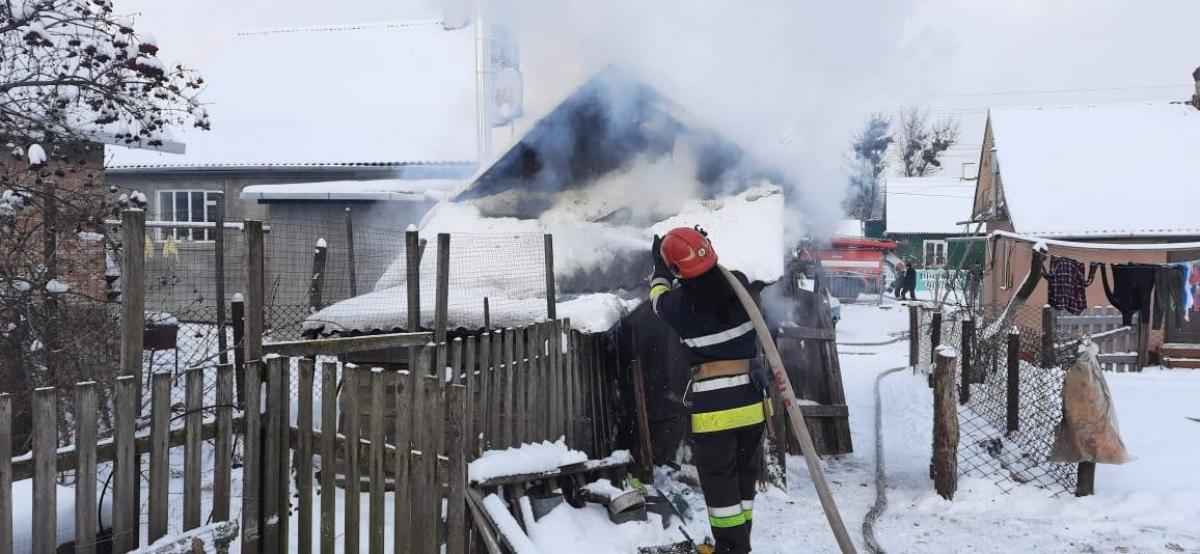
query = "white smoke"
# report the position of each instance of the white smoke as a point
(787, 80)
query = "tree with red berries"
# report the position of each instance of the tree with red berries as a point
(73, 76)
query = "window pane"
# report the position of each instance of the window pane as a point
(181, 213)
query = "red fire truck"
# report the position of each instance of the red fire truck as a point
(855, 266)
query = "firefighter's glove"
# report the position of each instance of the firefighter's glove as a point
(661, 269)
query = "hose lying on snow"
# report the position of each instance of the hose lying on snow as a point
(793, 411)
(880, 473)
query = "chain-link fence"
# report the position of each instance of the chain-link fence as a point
(1009, 384)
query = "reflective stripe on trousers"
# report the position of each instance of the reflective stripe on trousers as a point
(724, 420)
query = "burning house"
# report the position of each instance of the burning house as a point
(608, 168)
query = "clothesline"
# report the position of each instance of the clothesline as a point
(1166, 246)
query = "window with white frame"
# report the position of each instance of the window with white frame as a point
(935, 254)
(187, 206)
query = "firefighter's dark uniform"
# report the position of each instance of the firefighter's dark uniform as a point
(727, 408)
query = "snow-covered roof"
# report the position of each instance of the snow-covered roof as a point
(381, 190)
(849, 228)
(1100, 171)
(928, 204)
(373, 94)
(502, 260)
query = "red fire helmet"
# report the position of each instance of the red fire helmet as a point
(688, 252)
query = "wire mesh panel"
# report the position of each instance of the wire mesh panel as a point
(1007, 438)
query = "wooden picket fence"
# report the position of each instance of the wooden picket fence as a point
(122, 453)
(497, 389)
(1123, 353)
(503, 388)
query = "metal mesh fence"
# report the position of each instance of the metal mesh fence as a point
(1005, 438)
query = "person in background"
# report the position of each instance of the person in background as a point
(909, 286)
(898, 282)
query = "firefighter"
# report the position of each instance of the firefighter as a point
(689, 293)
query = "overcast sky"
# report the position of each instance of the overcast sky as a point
(796, 74)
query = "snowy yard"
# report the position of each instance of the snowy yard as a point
(1149, 505)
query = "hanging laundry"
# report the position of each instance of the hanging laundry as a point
(1132, 286)
(1168, 295)
(1191, 287)
(1067, 285)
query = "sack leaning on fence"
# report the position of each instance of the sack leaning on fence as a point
(1088, 431)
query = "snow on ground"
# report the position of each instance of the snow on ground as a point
(1149, 505)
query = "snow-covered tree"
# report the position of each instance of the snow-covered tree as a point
(72, 74)
(921, 143)
(867, 163)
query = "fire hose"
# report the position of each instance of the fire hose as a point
(799, 429)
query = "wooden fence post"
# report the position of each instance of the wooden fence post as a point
(441, 300)
(328, 455)
(255, 268)
(252, 470)
(304, 452)
(223, 447)
(316, 287)
(935, 339)
(1085, 479)
(1048, 324)
(456, 445)
(193, 463)
(125, 466)
(133, 293)
(237, 314)
(353, 267)
(86, 404)
(469, 361)
(1013, 388)
(270, 457)
(6, 508)
(403, 463)
(352, 477)
(377, 477)
(945, 425)
(160, 428)
(508, 407)
(219, 277)
(412, 282)
(914, 337)
(45, 473)
(481, 432)
(551, 302)
(423, 477)
(968, 369)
